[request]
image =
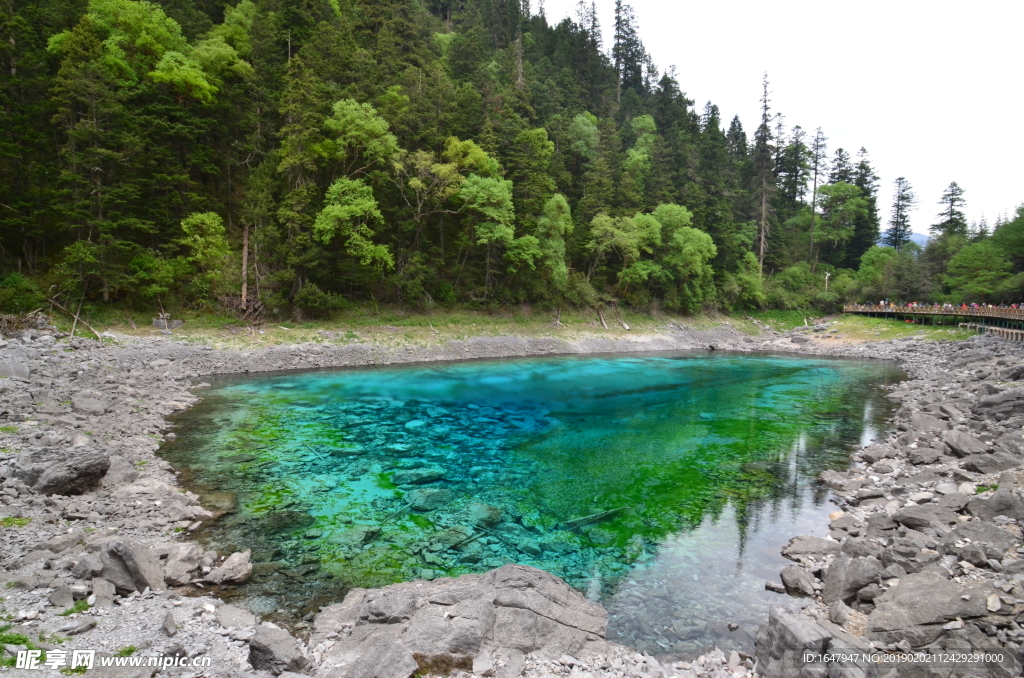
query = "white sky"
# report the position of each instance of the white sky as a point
(932, 89)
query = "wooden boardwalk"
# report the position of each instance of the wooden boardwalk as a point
(1007, 323)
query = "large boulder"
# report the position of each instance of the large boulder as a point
(919, 606)
(446, 624)
(997, 462)
(783, 642)
(235, 570)
(846, 576)
(130, 566)
(69, 470)
(962, 444)
(182, 562)
(273, 649)
(1002, 503)
(926, 515)
(1008, 403)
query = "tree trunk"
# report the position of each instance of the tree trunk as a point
(245, 264)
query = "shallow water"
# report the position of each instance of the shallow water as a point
(689, 472)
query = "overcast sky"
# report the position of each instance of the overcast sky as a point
(932, 89)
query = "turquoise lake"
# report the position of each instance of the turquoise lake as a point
(662, 485)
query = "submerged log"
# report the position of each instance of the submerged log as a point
(593, 518)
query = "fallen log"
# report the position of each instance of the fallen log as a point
(593, 518)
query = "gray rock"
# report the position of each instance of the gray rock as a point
(1009, 403)
(52, 470)
(783, 641)
(170, 625)
(805, 545)
(428, 499)
(798, 581)
(121, 472)
(88, 567)
(846, 576)
(235, 570)
(925, 516)
(182, 563)
(917, 608)
(833, 479)
(387, 659)
(799, 339)
(130, 566)
(229, 615)
(273, 649)
(417, 476)
(1002, 503)
(12, 367)
(388, 606)
(79, 626)
(484, 515)
(921, 422)
(62, 597)
(89, 402)
(451, 622)
(839, 613)
(515, 662)
(103, 593)
(990, 463)
(963, 444)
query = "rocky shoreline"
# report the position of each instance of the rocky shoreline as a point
(93, 522)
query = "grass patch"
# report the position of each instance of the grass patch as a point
(126, 651)
(866, 328)
(8, 638)
(8, 429)
(77, 671)
(11, 521)
(984, 488)
(79, 606)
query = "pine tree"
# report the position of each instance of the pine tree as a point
(867, 227)
(764, 178)
(903, 203)
(952, 220)
(818, 150)
(841, 170)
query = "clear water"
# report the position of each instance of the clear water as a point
(690, 471)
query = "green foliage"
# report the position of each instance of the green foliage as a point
(126, 651)
(19, 294)
(976, 271)
(410, 153)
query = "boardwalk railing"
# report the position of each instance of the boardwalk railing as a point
(983, 316)
(968, 312)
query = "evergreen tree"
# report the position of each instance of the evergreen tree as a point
(952, 220)
(903, 203)
(764, 177)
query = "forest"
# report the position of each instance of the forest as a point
(296, 157)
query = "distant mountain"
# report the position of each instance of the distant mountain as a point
(921, 240)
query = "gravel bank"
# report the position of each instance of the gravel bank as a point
(87, 417)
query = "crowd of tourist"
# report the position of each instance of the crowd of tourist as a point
(938, 306)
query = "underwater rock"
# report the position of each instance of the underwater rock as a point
(427, 499)
(288, 521)
(220, 501)
(483, 515)
(417, 476)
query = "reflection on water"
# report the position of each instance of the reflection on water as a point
(663, 485)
